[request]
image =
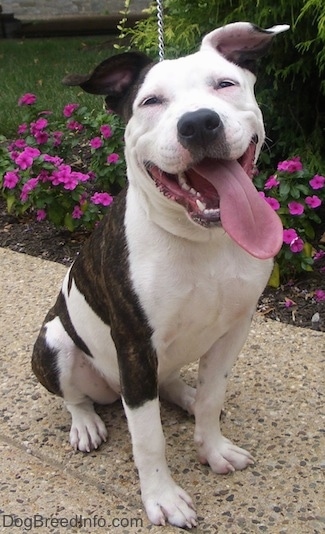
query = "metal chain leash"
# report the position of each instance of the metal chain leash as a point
(160, 21)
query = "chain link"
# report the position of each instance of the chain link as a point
(160, 21)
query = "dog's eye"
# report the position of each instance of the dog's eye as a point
(151, 101)
(225, 83)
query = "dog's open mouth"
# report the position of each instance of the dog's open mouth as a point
(195, 192)
(220, 192)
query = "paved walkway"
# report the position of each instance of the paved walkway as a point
(274, 407)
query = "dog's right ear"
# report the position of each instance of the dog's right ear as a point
(113, 78)
(242, 42)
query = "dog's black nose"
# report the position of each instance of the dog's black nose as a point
(199, 128)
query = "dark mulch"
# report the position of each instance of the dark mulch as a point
(43, 240)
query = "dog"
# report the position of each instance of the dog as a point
(173, 272)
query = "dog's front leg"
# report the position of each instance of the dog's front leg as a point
(163, 499)
(214, 370)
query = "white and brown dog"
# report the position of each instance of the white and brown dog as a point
(174, 271)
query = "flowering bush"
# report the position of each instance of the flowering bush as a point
(43, 171)
(296, 195)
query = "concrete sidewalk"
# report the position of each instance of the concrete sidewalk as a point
(274, 407)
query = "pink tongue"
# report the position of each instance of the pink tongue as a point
(245, 215)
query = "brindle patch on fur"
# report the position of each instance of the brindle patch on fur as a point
(44, 360)
(101, 274)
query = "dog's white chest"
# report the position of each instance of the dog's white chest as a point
(192, 292)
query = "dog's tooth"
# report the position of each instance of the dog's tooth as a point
(181, 179)
(192, 191)
(185, 186)
(214, 212)
(182, 182)
(200, 205)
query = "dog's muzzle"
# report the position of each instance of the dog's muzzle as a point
(217, 191)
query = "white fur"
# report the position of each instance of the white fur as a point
(162, 498)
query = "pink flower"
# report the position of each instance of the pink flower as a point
(77, 212)
(65, 176)
(40, 215)
(289, 236)
(41, 138)
(290, 165)
(56, 160)
(317, 182)
(295, 208)
(319, 295)
(38, 125)
(113, 158)
(81, 177)
(106, 131)
(22, 128)
(102, 198)
(14, 154)
(27, 99)
(20, 143)
(319, 255)
(74, 125)
(24, 161)
(57, 138)
(71, 182)
(297, 245)
(44, 176)
(26, 158)
(10, 179)
(33, 152)
(27, 188)
(69, 109)
(271, 182)
(273, 202)
(289, 303)
(96, 143)
(313, 202)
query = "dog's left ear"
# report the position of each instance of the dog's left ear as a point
(112, 78)
(242, 42)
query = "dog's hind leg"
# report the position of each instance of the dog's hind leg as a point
(175, 390)
(76, 380)
(82, 385)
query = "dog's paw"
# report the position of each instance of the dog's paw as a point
(224, 457)
(87, 430)
(172, 505)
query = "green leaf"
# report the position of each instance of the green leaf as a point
(308, 250)
(274, 280)
(309, 230)
(303, 188)
(11, 199)
(69, 222)
(284, 189)
(295, 193)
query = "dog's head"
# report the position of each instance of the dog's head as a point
(194, 132)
